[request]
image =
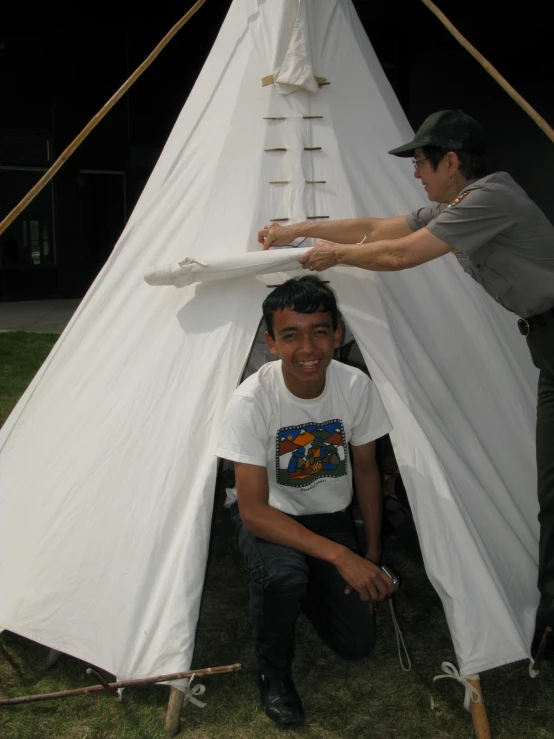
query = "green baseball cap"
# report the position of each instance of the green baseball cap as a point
(447, 129)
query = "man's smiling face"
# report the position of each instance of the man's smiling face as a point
(306, 343)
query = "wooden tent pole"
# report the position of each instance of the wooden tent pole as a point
(204, 672)
(495, 74)
(174, 708)
(64, 156)
(478, 710)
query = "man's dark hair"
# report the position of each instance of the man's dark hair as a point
(303, 295)
(472, 165)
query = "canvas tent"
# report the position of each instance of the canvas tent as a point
(107, 464)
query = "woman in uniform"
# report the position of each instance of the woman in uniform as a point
(499, 236)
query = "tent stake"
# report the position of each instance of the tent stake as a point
(103, 682)
(64, 156)
(174, 708)
(542, 647)
(537, 663)
(51, 658)
(9, 659)
(204, 672)
(494, 73)
(479, 713)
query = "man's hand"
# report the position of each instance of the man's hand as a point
(324, 255)
(273, 235)
(364, 576)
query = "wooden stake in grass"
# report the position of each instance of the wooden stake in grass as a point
(103, 682)
(479, 712)
(535, 667)
(9, 659)
(64, 156)
(174, 708)
(494, 73)
(51, 658)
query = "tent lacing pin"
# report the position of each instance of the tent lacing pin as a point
(314, 218)
(316, 182)
(269, 79)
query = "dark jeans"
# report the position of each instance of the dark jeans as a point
(283, 582)
(541, 345)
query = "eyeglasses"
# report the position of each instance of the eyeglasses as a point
(418, 162)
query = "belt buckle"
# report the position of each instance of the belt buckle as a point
(523, 327)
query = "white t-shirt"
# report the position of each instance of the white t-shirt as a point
(302, 443)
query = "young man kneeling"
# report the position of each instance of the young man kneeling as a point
(287, 428)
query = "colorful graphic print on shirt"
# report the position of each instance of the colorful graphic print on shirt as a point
(310, 451)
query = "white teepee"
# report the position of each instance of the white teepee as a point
(107, 464)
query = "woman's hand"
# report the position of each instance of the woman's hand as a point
(325, 254)
(274, 235)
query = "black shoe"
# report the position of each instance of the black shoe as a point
(280, 700)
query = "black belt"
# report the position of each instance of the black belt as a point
(526, 324)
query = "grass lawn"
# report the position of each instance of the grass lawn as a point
(370, 699)
(21, 354)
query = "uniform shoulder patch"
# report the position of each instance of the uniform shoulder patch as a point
(459, 199)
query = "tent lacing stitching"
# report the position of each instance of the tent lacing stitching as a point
(472, 694)
(400, 642)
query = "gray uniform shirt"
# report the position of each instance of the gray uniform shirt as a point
(501, 238)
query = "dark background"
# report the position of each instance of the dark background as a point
(59, 64)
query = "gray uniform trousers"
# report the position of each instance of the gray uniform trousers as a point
(541, 345)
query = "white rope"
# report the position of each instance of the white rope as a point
(400, 643)
(190, 695)
(532, 672)
(472, 694)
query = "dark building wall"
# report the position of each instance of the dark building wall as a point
(516, 143)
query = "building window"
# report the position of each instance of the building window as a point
(25, 148)
(28, 242)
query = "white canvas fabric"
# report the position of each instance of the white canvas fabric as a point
(107, 463)
(295, 70)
